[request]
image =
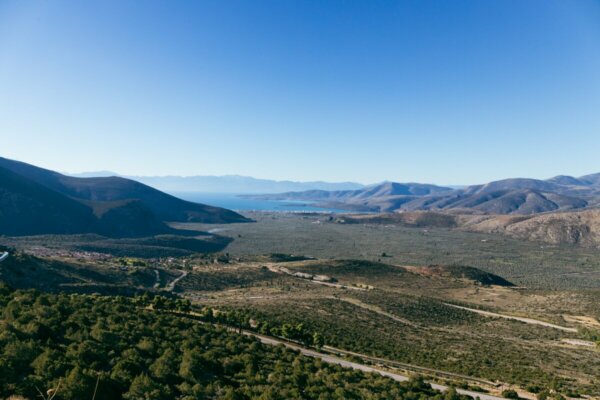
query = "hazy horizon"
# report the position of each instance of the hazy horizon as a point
(431, 91)
(453, 185)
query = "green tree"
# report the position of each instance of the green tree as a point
(510, 394)
(144, 388)
(77, 385)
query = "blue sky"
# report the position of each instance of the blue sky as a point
(449, 92)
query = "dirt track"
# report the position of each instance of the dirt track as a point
(521, 319)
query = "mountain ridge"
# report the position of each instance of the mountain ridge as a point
(165, 206)
(507, 196)
(36, 201)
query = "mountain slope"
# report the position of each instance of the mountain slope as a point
(575, 228)
(164, 206)
(509, 196)
(519, 201)
(27, 208)
(592, 179)
(385, 196)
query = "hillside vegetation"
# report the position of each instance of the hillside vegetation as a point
(84, 347)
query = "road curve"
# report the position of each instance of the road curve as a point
(171, 285)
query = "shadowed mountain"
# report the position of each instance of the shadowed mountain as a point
(28, 208)
(109, 189)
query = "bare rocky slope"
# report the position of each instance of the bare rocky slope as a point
(576, 228)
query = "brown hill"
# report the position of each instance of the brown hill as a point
(418, 219)
(509, 196)
(576, 228)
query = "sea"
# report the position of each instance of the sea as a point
(237, 202)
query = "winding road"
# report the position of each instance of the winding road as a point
(171, 285)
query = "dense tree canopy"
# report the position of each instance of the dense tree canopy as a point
(79, 344)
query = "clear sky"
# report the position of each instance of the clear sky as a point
(449, 92)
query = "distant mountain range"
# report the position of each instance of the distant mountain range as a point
(226, 184)
(509, 196)
(34, 200)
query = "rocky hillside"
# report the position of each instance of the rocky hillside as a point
(576, 228)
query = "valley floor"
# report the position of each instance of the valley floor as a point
(480, 312)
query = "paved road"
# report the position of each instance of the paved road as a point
(366, 368)
(525, 320)
(3, 256)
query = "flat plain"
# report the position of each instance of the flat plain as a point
(404, 295)
(525, 263)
